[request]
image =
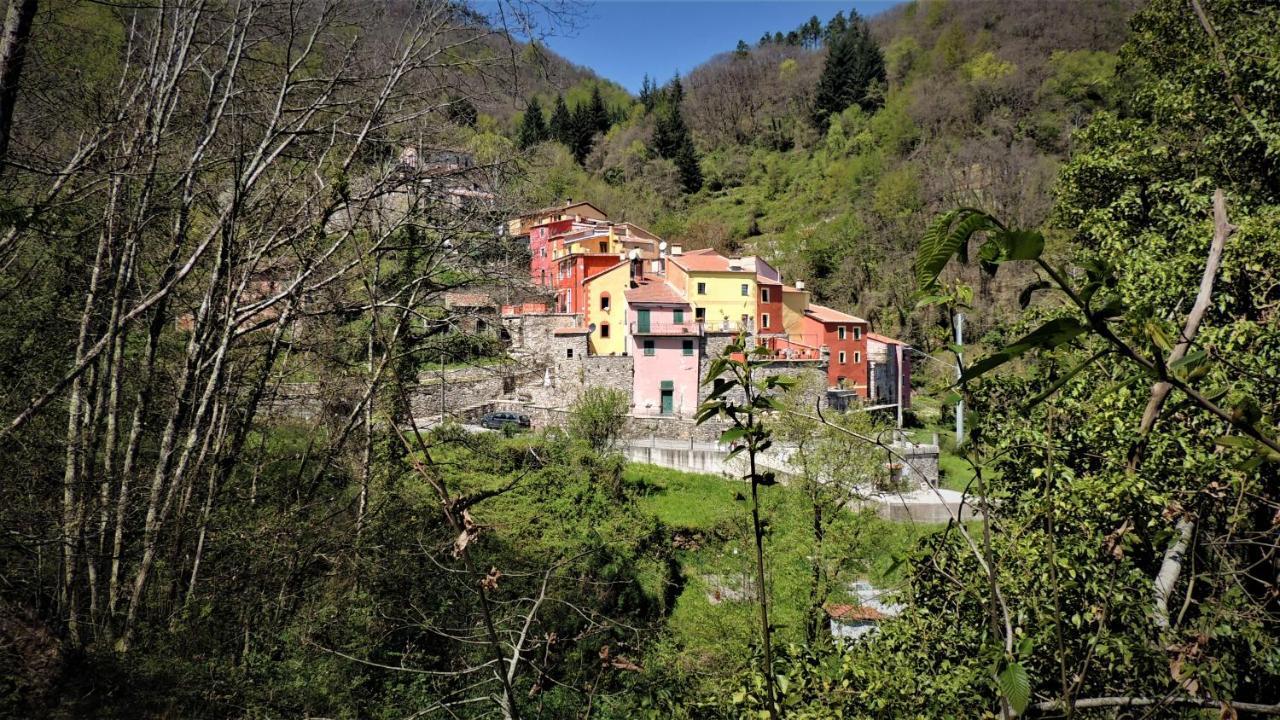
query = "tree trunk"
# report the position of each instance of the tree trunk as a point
(13, 52)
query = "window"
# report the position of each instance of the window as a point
(764, 321)
(604, 333)
(702, 288)
(841, 357)
(840, 332)
(568, 352)
(648, 348)
(687, 348)
(857, 333)
(604, 246)
(604, 302)
(700, 314)
(746, 290)
(764, 295)
(857, 358)
(677, 316)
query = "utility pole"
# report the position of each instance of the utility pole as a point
(959, 324)
(441, 388)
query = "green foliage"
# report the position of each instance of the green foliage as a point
(854, 68)
(597, 416)
(533, 128)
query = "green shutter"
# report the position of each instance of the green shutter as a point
(667, 385)
(688, 347)
(677, 316)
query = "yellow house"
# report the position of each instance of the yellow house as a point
(794, 302)
(605, 306)
(570, 210)
(721, 290)
(611, 238)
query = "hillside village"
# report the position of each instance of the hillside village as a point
(628, 310)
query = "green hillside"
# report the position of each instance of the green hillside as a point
(977, 108)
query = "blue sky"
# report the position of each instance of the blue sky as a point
(624, 39)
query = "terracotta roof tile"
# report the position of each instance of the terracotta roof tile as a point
(570, 331)
(823, 313)
(884, 339)
(706, 263)
(656, 291)
(763, 280)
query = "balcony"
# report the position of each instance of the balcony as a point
(689, 329)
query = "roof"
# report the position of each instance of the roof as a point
(702, 251)
(884, 339)
(459, 299)
(609, 269)
(578, 330)
(825, 314)
(657, 292)
(765, 280)
(706, 262)
(561, 208)
(853, 612)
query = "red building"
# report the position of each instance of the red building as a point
(769, 319)
(571, 271)
(845, 337)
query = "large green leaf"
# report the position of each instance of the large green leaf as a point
(1015, 686)
(1050, 335)
(944, 238)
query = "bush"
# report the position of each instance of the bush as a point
(597, 416)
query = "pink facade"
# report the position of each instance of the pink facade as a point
(665, 344)
(541, 265)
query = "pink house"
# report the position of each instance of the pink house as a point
(666, 349)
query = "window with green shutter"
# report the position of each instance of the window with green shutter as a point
(677, 316)
(648, 348)
(688, 347)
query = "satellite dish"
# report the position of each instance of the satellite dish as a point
(634, 254)
(591, 328)
(662, 245)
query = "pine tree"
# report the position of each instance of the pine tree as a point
(835, 28)
(533, 128)
(648, 93)
(743, 49)
(561, 123)
(811, 32)
(582, 127)
(854, 64)
(671, 138)
(687, 164)
(778, 39)
(597, 113)
(765, 39)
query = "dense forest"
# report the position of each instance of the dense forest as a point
(227, 236)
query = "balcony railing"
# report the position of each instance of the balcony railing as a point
(691, 329)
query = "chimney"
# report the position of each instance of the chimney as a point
(799, 284)
(568, 202)
(677, 250)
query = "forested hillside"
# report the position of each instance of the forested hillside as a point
(977, 106)
(237, 246)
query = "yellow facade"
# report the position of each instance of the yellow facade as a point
(794, 303)
(723, 303)
(612, 283)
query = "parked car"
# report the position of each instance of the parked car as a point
(499, 420)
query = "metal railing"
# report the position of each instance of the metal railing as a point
(690, 329)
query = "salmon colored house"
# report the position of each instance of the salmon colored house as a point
(666, 349)
(845, 338)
